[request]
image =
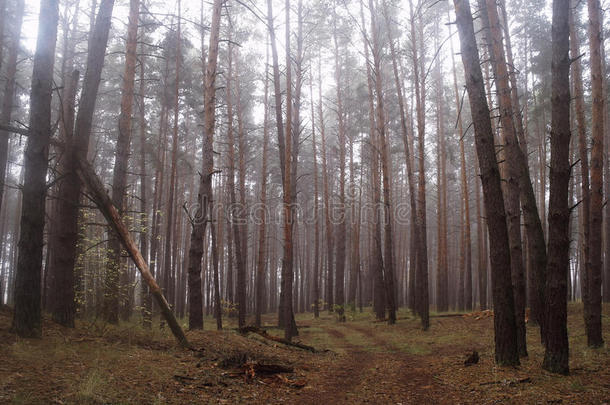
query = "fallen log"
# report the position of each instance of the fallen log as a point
(508, 382)
(262, 368)
(253, 329)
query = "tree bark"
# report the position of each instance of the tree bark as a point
(113, 296)
(66, 250)
(327, 213)
(516, 171)
(204, 194)
(144, 220)
(556, 356)
(579, 109)
(405, 132)
(262, 236)
(388, 259)
(27, 320)
(593, 318)
(316, 264)
(286, 311)
(421, 276)
(504, 311)
(375, 257)
(340, 226)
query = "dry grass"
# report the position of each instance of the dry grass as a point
(368, 361)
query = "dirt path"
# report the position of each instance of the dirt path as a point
(370, 370)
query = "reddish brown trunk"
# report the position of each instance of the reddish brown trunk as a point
(316, 264)
(504, 316)
(327, 214)
(204, 195)
(375, 257)
(581, 128)
(516, 171)
(421, 276)
(388, 259)
(262, 237)
(593, 319)
(116, 264)
(556, 356)
(341, 227)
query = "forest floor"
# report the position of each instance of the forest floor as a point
(359, 361)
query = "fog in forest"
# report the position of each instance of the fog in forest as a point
(304, 201)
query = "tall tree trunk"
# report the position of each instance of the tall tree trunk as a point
(65, 251)
(286, 311)
(593, 317)
(168, 269)
(404, 129)
(114, 296)
(516, 169)
(421, 277)
(27, 320)
(276, 86)
(481, 249)
(144, 220)
(607, 193)
(504, 307)
(468, 296)
(9, 86)
(556, 356)
(296, 135)
(579, 108)
(376, 257)
(327, 208)
(204, 194)
(316, 215)
(388, 259)
(262, 237)
(236, 207)
(341, 226)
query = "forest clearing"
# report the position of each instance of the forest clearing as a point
(359, 361)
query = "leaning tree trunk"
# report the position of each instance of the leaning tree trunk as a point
(27, 320)
(556, 356)
(103, 202)
(504, 307)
